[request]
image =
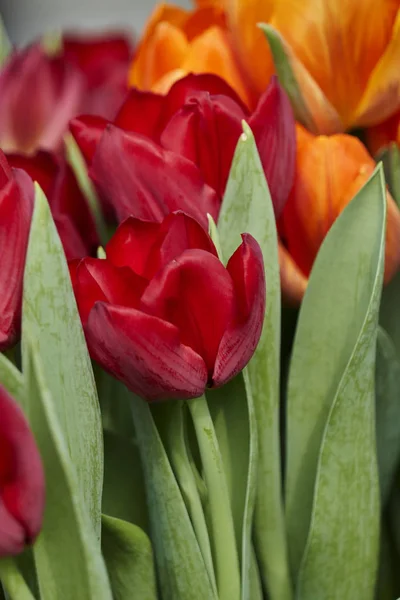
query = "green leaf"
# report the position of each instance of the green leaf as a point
(387, 394)
(332, 481)
(67, 553)
(247, 207)
(78, 165)
(123, 493)
(390, 158)
(12, 380)
(389, 312)
(50, 316)
(287, 77)
(13, 581)
(5, 45)
(129, 559)
(180, 567)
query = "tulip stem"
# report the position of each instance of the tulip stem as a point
(13, 582)
(179, 457)
(222, 528)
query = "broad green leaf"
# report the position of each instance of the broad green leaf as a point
(5, 45)
(387, 394)
(332, 481)
(78, 165)
(180, 567)
(67, 553)
(390, 158)
(123, 493)
(12, 380)
(50, 316)
(390, 310)
(129, 558)
(13, 582)
(247, 207)
(387, 581)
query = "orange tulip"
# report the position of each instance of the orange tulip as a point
(345, 55)
(177, 42)
(329, 172)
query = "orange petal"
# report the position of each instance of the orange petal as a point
(164, 84)
(249, 41)
(202, 19)
(382, 95)
(211, 53)
(164, 51)
(162, 47)
(293, 282)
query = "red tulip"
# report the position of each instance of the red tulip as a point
(104, 62)
(39, 94)
(16, 207)
(201, 119)
(22, 486)
(69, 208)
(164, 315)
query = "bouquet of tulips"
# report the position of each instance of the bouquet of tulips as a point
(200, 307)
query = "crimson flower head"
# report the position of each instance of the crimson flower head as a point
(16, 207)
(71, 214)
(22, 486)
(163, 314)
(200, 120)
(39, 94)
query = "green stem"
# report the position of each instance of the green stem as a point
(178, 454)
(223, 533)
(13, 581)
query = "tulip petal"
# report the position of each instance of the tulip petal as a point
(141, 112)
(273, 126)
(293, 281)
(41, 167)
(145, 247)
(16, 207)
(382, 94)
(195, 293)
(206, 130)
(142, 180)
(145, 353)
(22, 486)
(98, 280)
(246, 268)
(87, 131)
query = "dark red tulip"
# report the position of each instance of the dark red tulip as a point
(104, 62)
(69, 208)
(163, 314)
(137, 177)
(39, 94)
(201, 119)
(16, 207)
(22, 486)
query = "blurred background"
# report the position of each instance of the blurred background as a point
(26, 19)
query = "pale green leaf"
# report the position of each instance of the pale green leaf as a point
(180, 567)
(67, 553)
(387, 395)
(390, 158)
(247, 207)
(50, 317)
(332, 480)
(12, 380)
(13, 582)
(129, 558)
(5, 45)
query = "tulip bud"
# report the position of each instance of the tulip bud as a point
(330, 170)
(163, 314)
(16, 207)
(22, 486)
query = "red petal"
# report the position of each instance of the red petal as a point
(240, 340)
(99, 280)
(141, 112)
(206, 131)
(87, 131)
(144, 181)
(195, 293)
(22, 486)
(145, 353)
(273, 126)
(16, 207)
(5, 170)
(131, 244)
(41, 167)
